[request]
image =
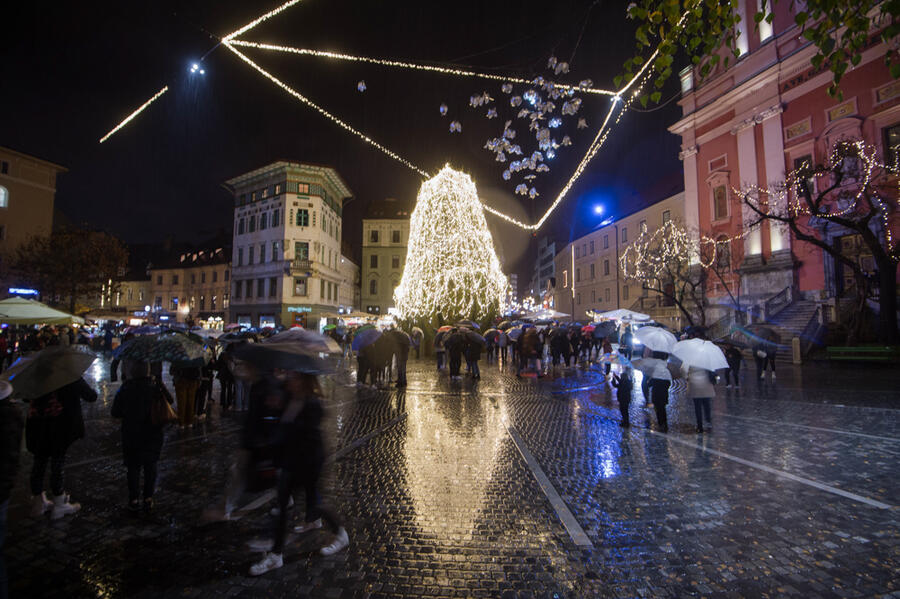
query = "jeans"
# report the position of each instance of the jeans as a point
(473, 368)
(4, 592)
(56, 473)
(455, 363)
(134, 464)
(241, 395)
(659, 394)
(185, 395)
(706, 404)
(733, 372)
(440, 359)
(314, 510)
(624, 404)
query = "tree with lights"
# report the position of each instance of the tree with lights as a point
(852, 193)
(452, 271)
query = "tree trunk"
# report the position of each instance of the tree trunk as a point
(887, 300)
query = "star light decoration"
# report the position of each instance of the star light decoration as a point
(617, 106)
(452, 270)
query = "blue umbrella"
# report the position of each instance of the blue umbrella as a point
(365, 338)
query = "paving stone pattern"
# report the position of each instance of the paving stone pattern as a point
(440, 503)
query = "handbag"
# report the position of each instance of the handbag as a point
(761, 354)
(161, 412)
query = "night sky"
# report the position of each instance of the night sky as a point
(71, 71)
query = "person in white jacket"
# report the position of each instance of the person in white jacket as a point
(702, 389)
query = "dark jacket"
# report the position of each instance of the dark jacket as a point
(11, 424)
(473, 350)
(55, 420)
(302, 449)
(625, 384)
(264, 411)
(132, 404)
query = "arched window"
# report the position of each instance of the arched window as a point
(4, 197)
(373, 287)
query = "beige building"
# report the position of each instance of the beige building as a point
(384, 243)
(27, 193)
(348, 288)
(193, 286)
(589, 276)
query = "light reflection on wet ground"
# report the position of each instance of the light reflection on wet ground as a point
(440, 503)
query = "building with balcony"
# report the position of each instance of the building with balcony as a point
(384, 244)
(589, 274)
(286, 257)
(27, 195)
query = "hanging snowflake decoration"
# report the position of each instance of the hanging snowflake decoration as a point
(443, 109)
(361, 86)
(455, 127)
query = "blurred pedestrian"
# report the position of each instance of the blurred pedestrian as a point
(439, 350)
(226, 379)
(502, 346)
(606, 348)
(54, 422)
(142, 439)
(626, 344)
(701, 388)
(454, 344)
(764, 354)
(734, 358)
(10, 443)
(624, 383)
(302, 459)
(187, 381)
(473, 354)
(654, 367)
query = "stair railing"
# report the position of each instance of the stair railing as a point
(778, 302)
(813, 331)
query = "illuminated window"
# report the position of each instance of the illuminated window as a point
(667, 216)
(4, 197)
(300, 286)
(720, 202)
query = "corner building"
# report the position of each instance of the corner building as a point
(286, 260)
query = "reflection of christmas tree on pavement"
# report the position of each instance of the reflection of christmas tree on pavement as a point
(452, 271)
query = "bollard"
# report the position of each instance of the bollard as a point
(795, 348)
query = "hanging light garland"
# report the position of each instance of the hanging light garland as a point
(131, 116)
(452, 270)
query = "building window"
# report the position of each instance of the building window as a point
(723, 254)
(373, 287)
(592, 272)
(606, 293)
(275, 255)
(159, 279)
(624, 234)
(260, 287)
(250, 254)
(277, 188)
(301, 250)
(303, 218)
(265, 192)
(202, 277)
(212, 303)
(158, 302)
(202, 302)
(720, 202)
(275, 217)
(262, 253)
(303, 188)
(174, 279)
(225, 301)
(4, 196)
(322, 289)
(579, 299)
(373, 261)
(395, 261)
(373, 236)
(240, 260)
(226, 276)
(592, 247)
(252, 226)
(606, 242)
(577, 253)
(605, 267)
(395, 236)
(273, 286)
(667, 216)
(625, 292)
(593, 295)
(4, 167)
(643, 226)
(241, 227)
(193, 278)
(300, 286)
(173, 303)
(577, 275)
(249, 288)
(263, 221)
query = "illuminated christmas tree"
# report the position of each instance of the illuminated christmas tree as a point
(452, 270)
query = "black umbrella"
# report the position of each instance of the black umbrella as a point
(473, 337)
(468, 323)
(398, 337)
(286, 356)
(491, 334)
(604, 329)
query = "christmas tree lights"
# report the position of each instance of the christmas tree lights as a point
(452, 270)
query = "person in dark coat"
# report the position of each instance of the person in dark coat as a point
(560, 348)
(764, 354)
(226, 379)
(302, 457)
(11, 424)
(454, 343)
(734, 358)
(473, 354)
(626, 345)
(624, 383)
(54, 422)
(116, 362)
(141, 439)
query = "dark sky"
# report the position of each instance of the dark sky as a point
(71, 71)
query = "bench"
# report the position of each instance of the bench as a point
(868, 353)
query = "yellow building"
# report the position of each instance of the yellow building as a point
(589, 276)
(27, 193)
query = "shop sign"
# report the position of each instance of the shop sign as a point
(299, 309)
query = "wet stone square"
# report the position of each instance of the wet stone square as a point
(507, 487)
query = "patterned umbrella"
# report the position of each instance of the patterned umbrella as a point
(162, 348)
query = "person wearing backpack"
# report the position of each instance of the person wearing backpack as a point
(142, 439)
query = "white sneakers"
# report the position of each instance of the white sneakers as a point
(308, 526)
(40, 505)
(62, 507)
(340, 541)
(269, 562)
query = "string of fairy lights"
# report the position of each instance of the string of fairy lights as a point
(617, 107)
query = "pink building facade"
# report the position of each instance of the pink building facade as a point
(750, 124)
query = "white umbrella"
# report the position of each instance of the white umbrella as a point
(700, 353)
(656, 339)
(309, 340)
(20, 310)
(624, 314)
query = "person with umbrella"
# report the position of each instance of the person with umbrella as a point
(439, 349)
(734, 357)
(655, 369)
(606, 348)
(624, 384)
(473, 345)
(399, 347)
(699, 360)
(502, 346)
(10, 446)
(142, 438)
(54, 422)
(454, 344)
(626, 344)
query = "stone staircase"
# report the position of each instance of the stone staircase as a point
(789, 323)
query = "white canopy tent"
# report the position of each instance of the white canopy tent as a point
(19, 310)
(622, 314)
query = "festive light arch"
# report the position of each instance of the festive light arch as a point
(617, 105)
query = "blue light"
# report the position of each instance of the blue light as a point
(598, 209)
(23, 291)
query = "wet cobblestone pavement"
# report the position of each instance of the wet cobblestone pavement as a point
(793, 494)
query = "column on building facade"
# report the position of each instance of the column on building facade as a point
(691, 196)
(773, 145)
(746, 148)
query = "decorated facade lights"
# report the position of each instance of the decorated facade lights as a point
(452, 270)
